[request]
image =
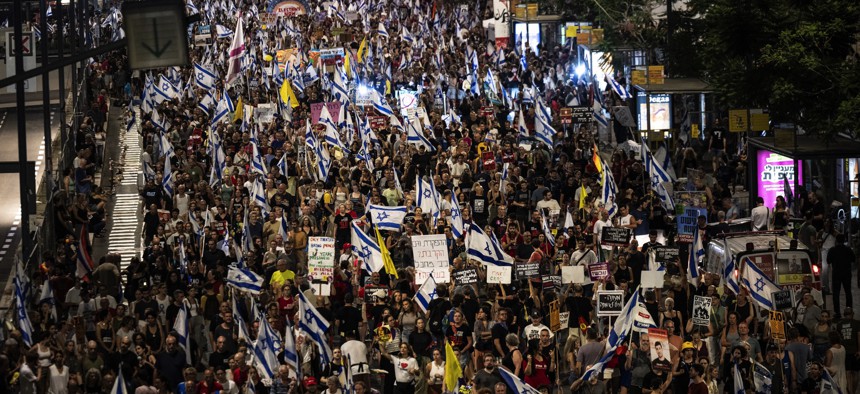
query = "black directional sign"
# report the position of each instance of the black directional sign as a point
(157, 33)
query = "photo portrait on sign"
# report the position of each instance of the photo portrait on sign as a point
(661, 356)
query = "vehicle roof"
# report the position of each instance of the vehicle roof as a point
(738, 244)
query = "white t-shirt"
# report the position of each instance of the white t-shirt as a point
(583, 258)
(598, 231)
(356, 352)
(760, 217)
(533, 331)
(402, 366)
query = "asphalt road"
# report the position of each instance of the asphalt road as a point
(9, 186)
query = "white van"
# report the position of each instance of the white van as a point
(785, 263)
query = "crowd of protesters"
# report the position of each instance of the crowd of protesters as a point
(114, 320)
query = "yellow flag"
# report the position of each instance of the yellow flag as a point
(240, 108)
(596, 159)
(387, 87)
(453, 372)
(582, 196)
(386, 256)
(346, 64)
(287, 95)
(361, 48)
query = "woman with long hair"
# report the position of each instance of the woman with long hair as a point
(730, 333)
(435, 373)
(834, 360)
(821, 336)
(781, 214)
(537, 369)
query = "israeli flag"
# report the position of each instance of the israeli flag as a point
(547, 232)
(225, 106)
(241, 327)
(167, 179)
(314, 325)
(655, 169)
(49, 12)
(620, 90)
(543, 130)
(46, 296)
(759, 285)
(521, 125)
(696, 252)
(291, 357)
(620, 330)
(456, 218)
(382, 31)
(223, 32)
(266, 350)
(485, 248)
(182, 328)
(738, 380)
(828, 385)
(609, 190)
(257, 164)
(323, 161)
(426, 196)
(283, 167)
(387, 218)
(332, 137)
(132, 118)
(516, 384)
(245, 280)
(366, 248)
(207, 103)
(24, 324)
(258, 196)
(204, 77)
(729, 274)
(380, 104)
(119, 386)
(340, 86)
(426, 293)
(504, 180)
(416, 137)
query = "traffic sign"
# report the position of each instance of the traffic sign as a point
(157, 34)
(26, 44)
(738, 120)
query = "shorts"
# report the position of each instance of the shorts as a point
(852, 362)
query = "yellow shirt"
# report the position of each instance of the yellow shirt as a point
(279, 278)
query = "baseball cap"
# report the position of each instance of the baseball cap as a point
(536, 315)
(310, 380)
(687, 345)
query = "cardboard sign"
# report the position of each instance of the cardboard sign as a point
(498, 274)
(564, 320)
(527, 270)
(609, 302)
(573, 274)
(430, 253)
(551, 281)
(598, 271)
(554, 320)
(321, 264)
(466, 276)
(777, 325)
(666, 254)
(653, 279)
(377, 122)
(701, 310)
(566, 114)
(615, 236)
(782, 300)
(488, 160)
(488, 111)
(661, 356)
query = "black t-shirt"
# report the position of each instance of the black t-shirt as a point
(422, 343)
(579, 307)
(499, 331)
(349, 316)
(458, 336)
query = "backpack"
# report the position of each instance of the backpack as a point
(437, 319)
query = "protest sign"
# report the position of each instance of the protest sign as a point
(598, 271)
(665, 254)
(563, 320)
(333, 109)
(551, 281)
(465, 276)
(554, 321)
(609, 302)
(616, 236)
(782, 300)
(777, 325)
(321, 264)
(498, 274)
(661, 356)
(701, 310)
(430, 253)
(653, 279)
(527, 270)
(573, 274)
(688, 207)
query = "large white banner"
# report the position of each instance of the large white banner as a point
(502, 18)
(321, 264)
(430, 253)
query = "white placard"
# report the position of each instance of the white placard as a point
(320, 264)
(430, 253)
(564, 319)
(652, 279)
(498, 274)
(573, 274)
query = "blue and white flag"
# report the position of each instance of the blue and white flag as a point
(204, 77)
(225, 106)
(46, 296)
(609, 190)
(223, 32)
(314, 325)
(245, 280)
(729, 272)
(617, 335)
(456, 217)
(737, 380)
(485, 248)
(620, 90)
(516, 384)
(332, 137)
(207, 103)
(258, 196)
(696, 252)
(503, 182)
(119, 386)
(132, 118)
(521, 125)
(415, 135)
(49, 12)
(283, 166)
(763, 378)
(340, 86)
(828, 385)
(21, 316)
(426, 293)
(387, 218)
(241, 327)
(291, 357)
(380, 104)
(759, 285)
(544, 132)
(547, 232)
(426, 196)
(653, 167)
(167, 179)
(382, 31)
(266, 350)
(366, 248)
(182, 327)
(257, 164)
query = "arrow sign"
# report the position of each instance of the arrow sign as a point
(157, 34)
(158, 51)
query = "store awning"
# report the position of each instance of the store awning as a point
(810, 147)
(677, 85)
